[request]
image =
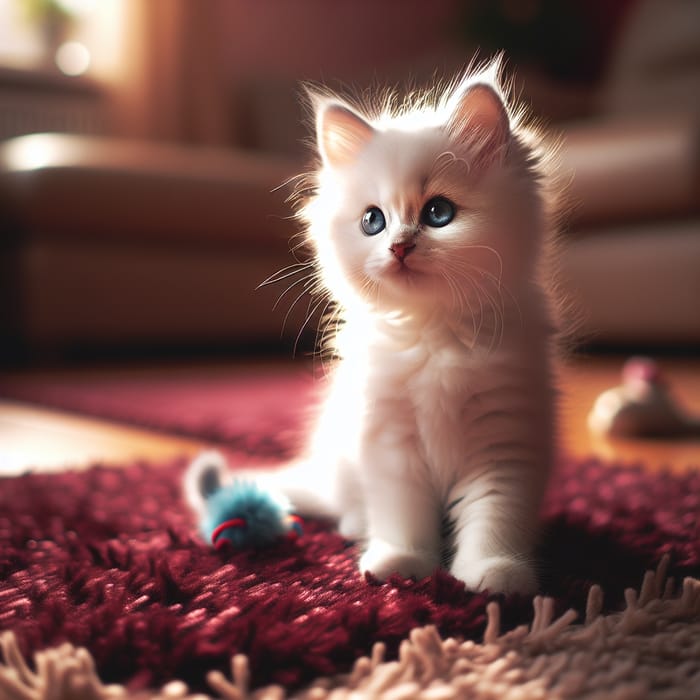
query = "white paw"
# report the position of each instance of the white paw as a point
(497, 575)
(383, 559)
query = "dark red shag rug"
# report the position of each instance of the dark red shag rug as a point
(109, 559)
(255, 409)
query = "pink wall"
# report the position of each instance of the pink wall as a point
(336, 39)
(269, 47)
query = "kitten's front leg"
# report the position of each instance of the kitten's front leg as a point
(495, 525)
(403, 516)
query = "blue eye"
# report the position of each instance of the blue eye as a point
(437, 212)
(373, 221)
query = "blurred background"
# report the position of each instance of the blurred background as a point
(143, 144)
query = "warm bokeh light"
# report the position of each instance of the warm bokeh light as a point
(73, 58)
(77, 7)
(88, 38)
(33, 151)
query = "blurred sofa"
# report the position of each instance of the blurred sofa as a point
(632, 253)
(630, 256)
(115, 244)
(111, 244)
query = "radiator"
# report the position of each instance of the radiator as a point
(32, 102)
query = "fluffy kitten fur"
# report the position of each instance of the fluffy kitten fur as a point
(440, 408)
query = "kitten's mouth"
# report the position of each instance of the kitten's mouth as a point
(400, 267)
(403, 271)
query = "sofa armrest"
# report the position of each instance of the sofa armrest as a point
(107, 244)
(623, 171)
(60, 185)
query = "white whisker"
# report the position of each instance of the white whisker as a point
(306, 281)
(309, 315)
(502, 290)
(300, 177)
(284, 273)
(291, 308)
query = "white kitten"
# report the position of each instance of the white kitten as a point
(428, 223)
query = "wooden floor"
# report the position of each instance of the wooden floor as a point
(35, 438)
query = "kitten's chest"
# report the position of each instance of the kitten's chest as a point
(426, 393)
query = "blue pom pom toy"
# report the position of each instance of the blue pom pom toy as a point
(244, 515)
(240, 514)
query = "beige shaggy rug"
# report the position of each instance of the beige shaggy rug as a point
(649, 650)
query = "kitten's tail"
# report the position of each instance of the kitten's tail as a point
(309, 490)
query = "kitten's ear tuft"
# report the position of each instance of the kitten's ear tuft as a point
(341, 134)
(479, 118)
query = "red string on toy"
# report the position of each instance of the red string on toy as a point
(297, 526)
(219, 529)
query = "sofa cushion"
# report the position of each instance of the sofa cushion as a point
(67, 186)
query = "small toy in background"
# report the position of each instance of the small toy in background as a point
(239, 513)
(642, 406)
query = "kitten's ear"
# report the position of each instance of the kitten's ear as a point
(479, 119)
(341, 134)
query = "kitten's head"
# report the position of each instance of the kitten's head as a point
(433, 205)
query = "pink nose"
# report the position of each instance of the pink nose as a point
(401, 250)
